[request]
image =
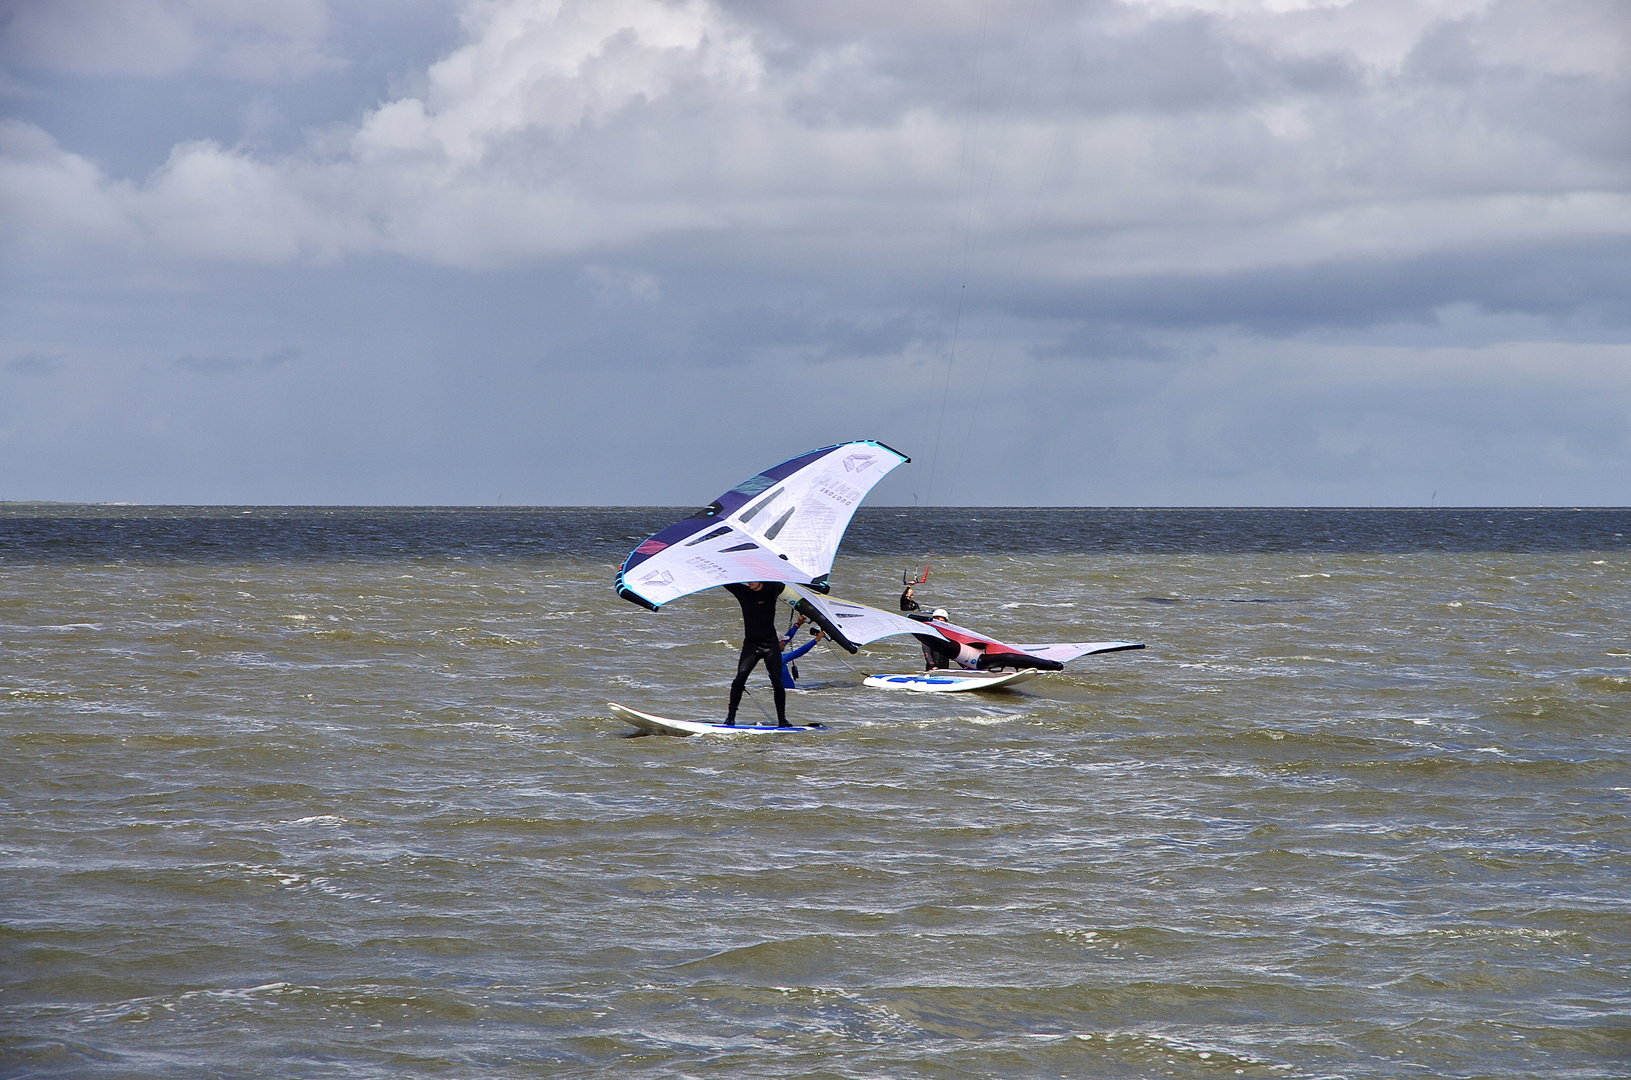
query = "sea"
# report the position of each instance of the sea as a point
(334, 792)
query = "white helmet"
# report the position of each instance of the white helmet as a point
(940, 613)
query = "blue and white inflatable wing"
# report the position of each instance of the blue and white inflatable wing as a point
(782, 525)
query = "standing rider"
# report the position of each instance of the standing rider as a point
(759, 642)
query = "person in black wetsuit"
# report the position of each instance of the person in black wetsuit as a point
(907, 603)
(759, 642)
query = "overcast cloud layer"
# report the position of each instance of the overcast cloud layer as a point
(630, 251)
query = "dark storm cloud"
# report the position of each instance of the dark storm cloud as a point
(1558, 280)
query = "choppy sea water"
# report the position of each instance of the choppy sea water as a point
(334, 793)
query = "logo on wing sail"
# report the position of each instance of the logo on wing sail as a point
(859, 462)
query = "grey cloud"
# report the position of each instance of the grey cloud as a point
(1576, 93)
(37, 365)
(1194, 64)
(738, 335)
(1024, 59)
(211, 365)
(279, 357)
(220, 365)
(616, 286)
(1188, 250)
(115, 37)
(128, 121)
(1559, 279)
(1101, 340)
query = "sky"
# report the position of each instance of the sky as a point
(630, 252)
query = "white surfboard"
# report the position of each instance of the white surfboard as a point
(950, 682)
(662, 725)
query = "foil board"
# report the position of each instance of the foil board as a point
(661, 725)
(950, 682)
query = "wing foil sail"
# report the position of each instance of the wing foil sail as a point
(1068, 651)
(852, 625)
(790, 534)
(975, 648)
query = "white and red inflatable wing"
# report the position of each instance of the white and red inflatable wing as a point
(1068, 651)
(852, 625)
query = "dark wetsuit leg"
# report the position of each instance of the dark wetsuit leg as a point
(938, 653)
(778, 689)
(752, 654)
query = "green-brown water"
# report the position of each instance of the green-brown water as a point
(335, 794)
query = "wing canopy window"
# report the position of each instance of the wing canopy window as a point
(770, 533)
(721, 531)
(747, 515)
